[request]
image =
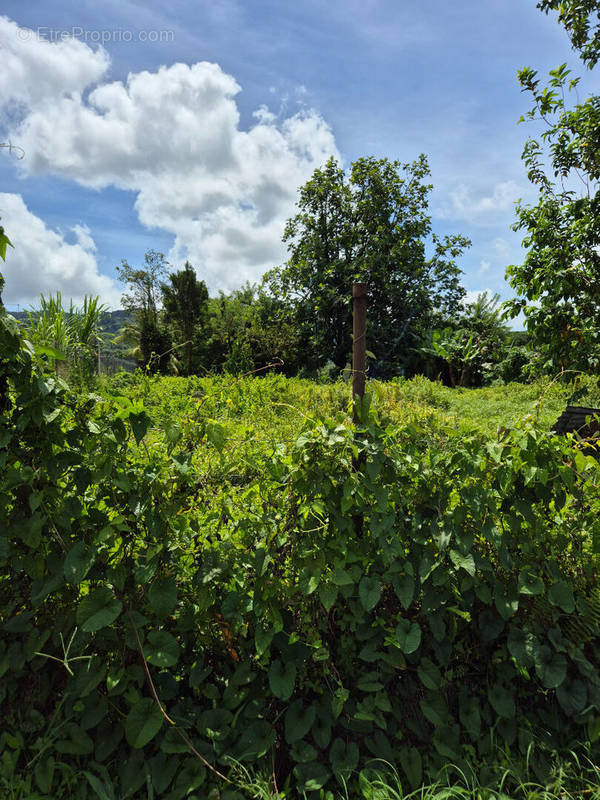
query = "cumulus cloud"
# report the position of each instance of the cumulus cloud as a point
(34, 69)
(465, 204)
(42, 262)
(173, 137)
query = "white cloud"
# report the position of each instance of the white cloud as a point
(471, 296)
(42, 262)
(483, 267)
(465, 204)
(502, 248)
(173, 137)
(34, 69)
(84, 238)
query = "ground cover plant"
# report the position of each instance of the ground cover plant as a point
(298, 601)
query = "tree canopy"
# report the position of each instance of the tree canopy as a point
(558, 282)
(185, 300)
(370, 225)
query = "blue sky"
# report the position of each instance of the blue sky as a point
(125, 150)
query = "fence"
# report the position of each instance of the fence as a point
(109, 364)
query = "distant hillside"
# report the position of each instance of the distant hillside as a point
(112, 323)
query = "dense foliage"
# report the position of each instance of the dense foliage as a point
(557, 283)
(166, 608)
(371, 226)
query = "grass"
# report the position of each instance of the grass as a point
(273, 408)
(568, 780)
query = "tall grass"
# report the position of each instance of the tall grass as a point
(569, 779)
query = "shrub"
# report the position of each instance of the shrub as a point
(364, 595)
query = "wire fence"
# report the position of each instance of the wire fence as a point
(109, 364)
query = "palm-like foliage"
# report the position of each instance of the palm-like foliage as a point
(75, 333)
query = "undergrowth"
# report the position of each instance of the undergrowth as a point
(199, 573)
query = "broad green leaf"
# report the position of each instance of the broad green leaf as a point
(408, 636)
(163, 596)
(561, 595)
(256, 740)
(311, 777)
(506, 601)
(4, 241)
(302, 752)
(161, 649)
(410, 760)
(572, 696)
(502, 701)
(463, 562)
(78, 561)
(369, 591)
(341, 578)
(344, 758)
(429, 674)
(551, 667)
(522, 646)
(143, 722)
(404, 586)
(435, 708)
(594, 729)
(446, 741)
(190, 776)
(282, 678)
(104, 790)
(298, 721)
(215, 434)
(327, 595)
(97, 610)
(215, 723)
(262, 639)
(140, 423)
(162, 771)
(469, 715)
(51, 352)
(530, 583)
(44, 774)
(369, 682)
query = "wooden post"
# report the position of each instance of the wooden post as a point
(359, 368)
(359, 344)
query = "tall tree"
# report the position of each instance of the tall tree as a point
(370, 226)
(150, 338)
(185, 303)
(558, 284)
(143, 295)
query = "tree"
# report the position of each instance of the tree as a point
(558, 284)
(144, 285)
(581, 20)
(477, 348)
(152, 342)
(185, 302)
(369, 226)
(248, 331)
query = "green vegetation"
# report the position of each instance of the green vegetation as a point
(557, 283)
(185, 589)
(372, 227)
(221, 586)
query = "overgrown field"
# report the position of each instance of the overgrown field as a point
(207, 584)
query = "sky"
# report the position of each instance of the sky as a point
(188, 128)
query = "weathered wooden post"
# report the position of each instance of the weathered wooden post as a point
(359, 344)
(359, 369)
